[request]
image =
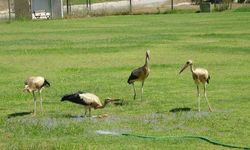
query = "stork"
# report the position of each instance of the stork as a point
(36, 84)
(140, 74)
(89, 100)
(200, 75)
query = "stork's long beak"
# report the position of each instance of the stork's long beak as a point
(116, 101)
(184, 67)
(112, 99)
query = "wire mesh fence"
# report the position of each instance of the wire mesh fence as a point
(83, 8)
(95, 7)
(107, 7)
(119, 7)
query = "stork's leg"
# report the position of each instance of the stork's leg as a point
(205, 94)
(134, 91)
(86, 109)
(41, 100)
(142, 84)
(89, 111)
(198, 98)
(34, 96)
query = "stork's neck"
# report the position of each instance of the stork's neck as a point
(192, 68)
(146, 62)
(104, 104)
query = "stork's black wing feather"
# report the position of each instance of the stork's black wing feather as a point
(74, 98)
(132, 77)
(208, 79)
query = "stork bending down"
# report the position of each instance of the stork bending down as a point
(89, 100)
(36, 84)
(200, 75)
(140, 74)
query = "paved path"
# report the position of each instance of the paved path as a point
(119, 4)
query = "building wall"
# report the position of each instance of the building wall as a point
(25, 8)
(3, 5)
(57, 9)
(22, 9)
(54, 7)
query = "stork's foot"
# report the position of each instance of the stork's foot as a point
(33, 114)
(134, 97)
(85, 116)
(41, 111)
(210, 110)
(102, 116)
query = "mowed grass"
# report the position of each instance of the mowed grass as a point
(98, 54)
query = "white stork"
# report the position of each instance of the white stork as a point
(140, 74)
(200, 75)
(36, 84)
(89, 100)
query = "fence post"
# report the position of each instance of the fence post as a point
(67, 3)
(172, 5)
(130, 6)
(9, 10)
(89, 4)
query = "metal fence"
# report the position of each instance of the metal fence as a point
(74, 8)
(83, 8)
(78, 8)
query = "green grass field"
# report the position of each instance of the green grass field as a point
(98, 54)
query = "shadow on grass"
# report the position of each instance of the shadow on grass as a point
(184, 109)
(18, 114)
(73, 116)
(175, 110)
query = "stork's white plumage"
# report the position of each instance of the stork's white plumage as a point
(140, 74)
(36, 84)
(89, 100)
(200, 75)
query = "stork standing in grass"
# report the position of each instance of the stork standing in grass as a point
(200, 75)
(140, 74)
(89, 100)
(36, 84)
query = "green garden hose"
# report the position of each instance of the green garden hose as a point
(189, 137)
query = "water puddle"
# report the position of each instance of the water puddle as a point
(113, 132)
(103, 132)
